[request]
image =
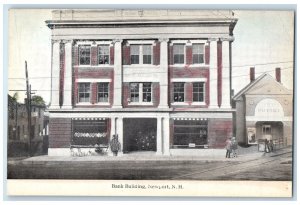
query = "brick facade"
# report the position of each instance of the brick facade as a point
(60, 130)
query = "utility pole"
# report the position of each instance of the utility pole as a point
(28, 103)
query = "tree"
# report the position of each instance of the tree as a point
(37, 100)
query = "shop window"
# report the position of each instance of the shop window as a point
(198, 92)
(190, 134)
(90, 132)
(140, 92)
(178, 50)
(103, 54)
(85, 55)
(178, 92)
(198, 53)
(141, 54)
(84, 92)
(103, 92)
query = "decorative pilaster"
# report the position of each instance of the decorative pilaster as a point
(117, 102)
(225, 74)
(67, 102)
(166, 135)
(119, 124)
(55, 75)
(213, 74)
(164, 73)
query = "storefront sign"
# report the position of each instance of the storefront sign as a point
(270, 108)
(82, 134)
(251, 135)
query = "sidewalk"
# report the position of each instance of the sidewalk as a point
(243, 155)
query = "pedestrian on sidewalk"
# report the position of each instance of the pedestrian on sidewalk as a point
(115, 145)
(234, 147)
(267, 148)
(228, 147)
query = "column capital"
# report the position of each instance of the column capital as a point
(55, 41)
(229, 39)
(164, 40)
(65, 41)
(212, 39)
(117, 40)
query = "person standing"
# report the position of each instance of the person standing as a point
(267, 148)
(234, 147)
(115, 145)
(228, 147)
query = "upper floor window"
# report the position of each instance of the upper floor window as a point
(84, 92)
(103, 92)
(140, 92)
(198, 92)
(103, 54)
(178, 92)
(198, 53)
(141, 54)
(85, 55)
(178, 52)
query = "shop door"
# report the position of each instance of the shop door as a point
(267, 132)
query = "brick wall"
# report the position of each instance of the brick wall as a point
(171, 60)
(112, 55)
(94, 57)
(189, 55)
(126, 55)
(60, 132)
(219, 130)
(207, 54)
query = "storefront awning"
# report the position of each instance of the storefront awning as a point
(184, 118)
(89, 118)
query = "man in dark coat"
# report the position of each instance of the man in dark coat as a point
(115, 145)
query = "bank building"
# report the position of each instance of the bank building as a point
(159, 79)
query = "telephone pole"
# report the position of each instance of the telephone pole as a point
(28, 105)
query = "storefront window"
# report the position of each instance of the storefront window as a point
(190, 134)
(90, 132)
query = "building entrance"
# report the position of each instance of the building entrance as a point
(139, 134)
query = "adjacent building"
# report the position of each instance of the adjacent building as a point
(264, 110)
(160, 79)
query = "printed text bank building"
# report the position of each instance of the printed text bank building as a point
(160, 79)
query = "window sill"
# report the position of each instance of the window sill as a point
(84, 103)
(102, 103)
(141, 103)
(179, 103)
(95, 66)
(198, 103)
(140, 66)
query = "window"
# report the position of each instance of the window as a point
(147, 54)
(134, 92)
(190, 133)
(141, 92)
(85, 55)
(141, 54)
(84, 92)
(178, 50)
(198, 92)
(134, 54)
(198, 53)
(146, 92)
(103, 93)
(178, 92)
(103, 54)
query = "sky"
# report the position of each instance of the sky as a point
(263, 39)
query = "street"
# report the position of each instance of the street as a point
(276, 166)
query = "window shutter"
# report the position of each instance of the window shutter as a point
(189, 55)
(171, 60)
(125, 94)
(111, 92)
(156, 53)
(93, 93)
(156, 96)
(94, 53)
(207, 55)
(112, 55)
(126, 55)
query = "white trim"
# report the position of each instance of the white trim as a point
(189, 80)
(95, 66)
(141, 42)
(268, 118)
(180, 103)
(93, 80)
(186, 41)
(140, 103)
(93, 43)
(84, 103)
(102, 103)
(199, 103)
(204, 115)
